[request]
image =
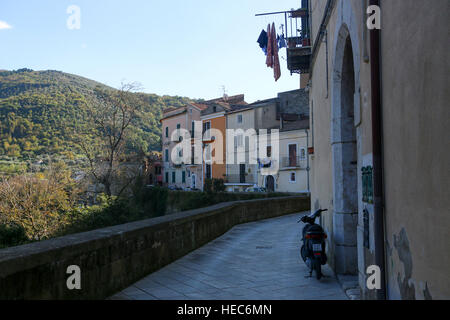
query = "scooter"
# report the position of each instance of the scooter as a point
(313, 248)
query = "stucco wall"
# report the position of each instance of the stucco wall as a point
(416, 122)
(327, 124)
(218, 147)
(248, 151)
(113, 258)
(185, 121)
(415, 95)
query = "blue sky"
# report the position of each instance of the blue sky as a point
(182, 47)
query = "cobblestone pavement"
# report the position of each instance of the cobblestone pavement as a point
(254, 261)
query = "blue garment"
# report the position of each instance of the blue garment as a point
(281, 42)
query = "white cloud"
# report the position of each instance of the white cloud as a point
(4, 25)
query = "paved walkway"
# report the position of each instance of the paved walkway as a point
(254, 261)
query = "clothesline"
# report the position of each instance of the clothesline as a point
(270, 43)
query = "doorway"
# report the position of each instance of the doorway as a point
(270, 184)
(345, 158)
(242, 173)
(193, 181)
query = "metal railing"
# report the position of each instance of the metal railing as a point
(237, 178)
(293, 162)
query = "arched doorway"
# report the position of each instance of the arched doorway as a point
(270, 184)
(193, 181)
(345, 157)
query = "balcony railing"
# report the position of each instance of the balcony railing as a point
(293, 162)
(298, 38)
(299, 42)
(237, 178)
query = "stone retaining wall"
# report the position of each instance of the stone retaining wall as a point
(113, 258)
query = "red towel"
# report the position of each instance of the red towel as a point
(276, 59)
(269, 59)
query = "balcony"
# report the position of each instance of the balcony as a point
(299, 42)
(240, 179)
(298, 38)
(293, 163)
(299, 59)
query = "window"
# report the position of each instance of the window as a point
(214, 109)
(269, 151)
(208, 154)
(167, 177)
(173, 177)
(292, 178)
(206, 129)
(292, 155)
(239, 140)
(239, 118)
(192, 129)
(180, 152)
(183, 177)
(208, 174)
(167, 132)
(166, 155)
(193, 155)
(178, 126)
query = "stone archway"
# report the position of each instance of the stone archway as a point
(345, 154)
(270, 183)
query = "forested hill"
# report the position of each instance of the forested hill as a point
(38, 110)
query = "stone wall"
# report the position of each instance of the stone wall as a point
(113, 258)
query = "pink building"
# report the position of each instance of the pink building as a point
(185, 175)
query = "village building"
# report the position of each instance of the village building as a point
(214, 124)
(242, 167)
(285, 169)
(176, 172)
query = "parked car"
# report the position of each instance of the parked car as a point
(256, 189)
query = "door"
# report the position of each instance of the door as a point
(292, 155)
(270, 184)
(242, 173)
(193, 182)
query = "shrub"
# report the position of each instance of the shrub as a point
(12, 235)
(208, 186)
(219, 185)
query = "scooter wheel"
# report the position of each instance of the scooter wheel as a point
(318, 269)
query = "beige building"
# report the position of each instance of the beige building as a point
(242, 157)
(292, 163)
(176, 173)
(280, 167)
(379, 102)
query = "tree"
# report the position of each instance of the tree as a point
(111, 114)
(38, 204)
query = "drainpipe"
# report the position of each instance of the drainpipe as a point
(307, 157)
(375, 70)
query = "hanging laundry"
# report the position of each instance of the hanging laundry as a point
(270, 42)
(262, 40)
(276, 60)
(281, 42)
